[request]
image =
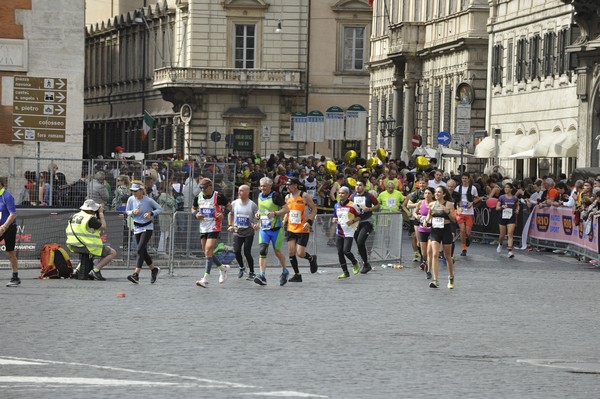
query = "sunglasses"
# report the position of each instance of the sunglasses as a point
(202, 187)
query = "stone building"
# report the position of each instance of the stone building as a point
(232, 70)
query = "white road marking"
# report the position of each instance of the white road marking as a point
(80, 381)
(19, 362)
(284, 394)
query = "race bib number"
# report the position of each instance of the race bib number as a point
(360, 201)
(242, 221)
(507, 213)
(312, 193)
(465, 204)
(390, 203)
(342, 215)
(295, 216)
(265, 223)
(422, 219)
(208, 213)
(437, 223)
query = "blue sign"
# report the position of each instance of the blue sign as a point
(444, 138)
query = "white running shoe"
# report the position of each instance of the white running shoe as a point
(223, 273)
(203, 282)
(499, 248)
(510, 254)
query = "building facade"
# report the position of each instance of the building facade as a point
(428, 60)
(532, 83)
(224, 76)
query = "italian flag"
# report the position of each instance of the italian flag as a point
(148, 123)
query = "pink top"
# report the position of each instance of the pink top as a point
(423, 211)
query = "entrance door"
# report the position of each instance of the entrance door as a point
(243, 142)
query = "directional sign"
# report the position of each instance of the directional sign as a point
(444, 138)
(39, 109)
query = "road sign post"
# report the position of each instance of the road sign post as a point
(39, 109)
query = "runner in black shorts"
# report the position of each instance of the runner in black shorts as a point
(8, 230)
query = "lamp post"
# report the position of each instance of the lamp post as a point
(141, 20)
(388, 127)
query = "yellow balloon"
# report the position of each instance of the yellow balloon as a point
(246, 174)
(381, 154)
(350, 156)
(372, 163)
(361, 171)
(422, 162)
(330, 167)
(351, 182)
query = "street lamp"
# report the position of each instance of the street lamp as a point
(388, 127)
(140, 20)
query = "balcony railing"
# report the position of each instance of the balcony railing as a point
(229, 78)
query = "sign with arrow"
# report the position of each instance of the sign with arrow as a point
(39, 109)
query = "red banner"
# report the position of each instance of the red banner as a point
(557, 224)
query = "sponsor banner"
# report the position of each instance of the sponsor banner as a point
(556, 224)
(486, 220)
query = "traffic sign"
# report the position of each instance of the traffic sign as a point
(39, 109)
(266, 133)
(444, 138)
(215, 136)
(416, 140)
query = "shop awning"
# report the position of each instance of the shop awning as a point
(543, 146)
(486, 148)
(563, 145)
(522, 155)
(506, 148)
(526, 143)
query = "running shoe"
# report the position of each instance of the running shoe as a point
(251, 277)
(134, 278)
(463, 253)
(428, 275)
(313, 264)
(283, 279)
(296, 278)
(434, 284)
(223, 273)
(241, 272)
(422, 265)
(366, 268)
(355, 268)
(344, 275)
(499, 248)
(450, 283)
(510, 254)
(416, 257)
(468, 241)
(154, 274)
(260, 280)
(14, 281)
(203, 282)
(96, 275)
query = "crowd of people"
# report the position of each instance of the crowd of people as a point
(279, 197)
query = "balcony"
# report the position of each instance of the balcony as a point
(229, 78)
(406, 38)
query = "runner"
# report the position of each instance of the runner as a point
(464, 212)
(208, 208)
(142, 209)
(298, 225)
(346, 215)
(411, 203)
(366, 203)
(8, 230)
(420, 213)
(271, 208)
(508, 209)
(242, 222)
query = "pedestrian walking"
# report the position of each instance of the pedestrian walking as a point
(242, 222)
(298, 225)
(366, 203)
(83, 236)
(142, 209)
(508, 209)
(271, 209)
(346, 216)
(8, 230)
(209, 207)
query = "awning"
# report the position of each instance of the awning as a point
(426, 152)
(452, 153)
(167, 151)
(526, 143)
(486, 148)
(506, 148)
(543, 146)
(522, 155)
(563, 145)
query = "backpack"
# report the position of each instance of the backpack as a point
(468, 193)
(55, 261)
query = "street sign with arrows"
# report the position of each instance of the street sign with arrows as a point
(39, 109)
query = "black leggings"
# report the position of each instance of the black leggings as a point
(142, 252)
(246, 242)
(360, 235)
(344, 250)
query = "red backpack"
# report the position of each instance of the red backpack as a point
(55, 261)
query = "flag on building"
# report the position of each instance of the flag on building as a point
(148, 123)
(371, 3)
